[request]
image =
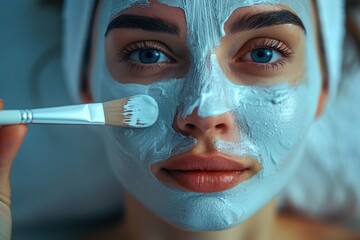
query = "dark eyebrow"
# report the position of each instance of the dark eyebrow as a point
(265, 19)
(143, 22)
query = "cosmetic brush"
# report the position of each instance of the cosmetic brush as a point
(136, 111)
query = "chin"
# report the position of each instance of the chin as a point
(201, 212)
(214, 226)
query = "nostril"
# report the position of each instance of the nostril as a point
(196, 125)
(221, 128)
(189, 126)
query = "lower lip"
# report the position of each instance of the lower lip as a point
(205, 181)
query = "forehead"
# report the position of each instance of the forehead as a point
(205, 20)
(220, 9)
(208, 19)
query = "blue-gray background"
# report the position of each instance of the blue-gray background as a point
(62, 185)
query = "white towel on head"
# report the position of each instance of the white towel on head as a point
(77, 18)
(332, 22)
(327, 181)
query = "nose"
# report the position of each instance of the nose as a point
(222, 126)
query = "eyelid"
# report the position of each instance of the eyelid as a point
(248, 56)
(162, 58)
(270, 43)
(262, 70)
(132, 71)
(124, 53)
(279, 46)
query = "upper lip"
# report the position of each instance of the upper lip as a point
(194, 162)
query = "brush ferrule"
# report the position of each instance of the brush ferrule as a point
(26, 116)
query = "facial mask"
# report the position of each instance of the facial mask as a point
(77, 15)
(272, 119)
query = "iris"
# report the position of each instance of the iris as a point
(149, 56)
(262, 55)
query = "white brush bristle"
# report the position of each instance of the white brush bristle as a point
(137, 111)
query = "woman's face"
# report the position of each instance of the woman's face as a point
(237, 85)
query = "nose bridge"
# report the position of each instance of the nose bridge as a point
(202, 86)
(214, 98)
(205, 110)
(206, 89)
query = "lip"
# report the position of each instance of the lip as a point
(204, 173)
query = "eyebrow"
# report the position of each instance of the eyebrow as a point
(265, 19)
(153, 24)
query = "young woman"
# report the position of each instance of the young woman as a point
(238, 84)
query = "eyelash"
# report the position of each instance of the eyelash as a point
(272, 44)
(125, 53)
(130, 65)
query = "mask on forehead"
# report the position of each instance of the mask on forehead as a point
(272, 120)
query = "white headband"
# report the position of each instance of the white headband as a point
(77, 18)
(332, 23)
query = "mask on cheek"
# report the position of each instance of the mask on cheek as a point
(271, 120)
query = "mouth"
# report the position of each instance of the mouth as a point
(205, 173)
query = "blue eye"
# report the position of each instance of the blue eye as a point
(149, 56)
(264, 55)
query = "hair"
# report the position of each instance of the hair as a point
(353, 29)
(321, 51)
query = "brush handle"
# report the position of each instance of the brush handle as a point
(76, 114)
(10, 117)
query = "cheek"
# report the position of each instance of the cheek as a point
(274, 127)
(158, 142)
(272, 122)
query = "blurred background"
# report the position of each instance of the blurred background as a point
(62, 184)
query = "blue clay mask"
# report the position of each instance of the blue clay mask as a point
(271, 119)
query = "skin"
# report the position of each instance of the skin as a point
(272, 224)
(234, 61)
(11, 138)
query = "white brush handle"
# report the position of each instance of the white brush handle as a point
(10, 117)
(76, 114)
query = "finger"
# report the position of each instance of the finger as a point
(11, 138)
(5, 222)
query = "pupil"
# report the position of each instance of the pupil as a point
(262, 55)
(149, 56)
